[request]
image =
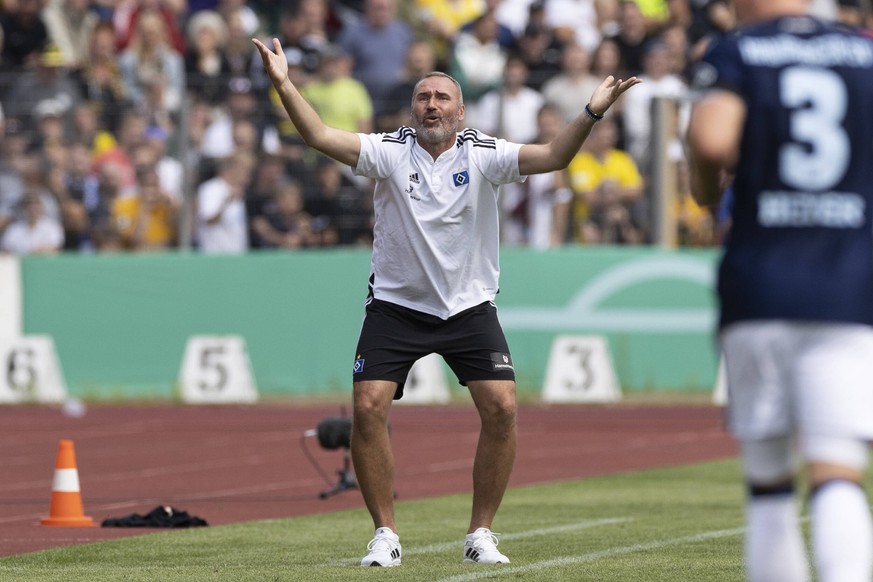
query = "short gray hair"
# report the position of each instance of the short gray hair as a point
(444, 75)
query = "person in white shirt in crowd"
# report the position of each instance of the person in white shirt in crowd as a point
(510, 112)
(152, 152)
(222, 222)
(34, 232)
(574, 21)
(477, 58)
(658, 81)
(241, 104)
(570, 88)
(240, 8)
(536, 211)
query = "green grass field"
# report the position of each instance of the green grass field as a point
(678, 524)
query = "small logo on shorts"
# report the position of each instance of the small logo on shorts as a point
(502, 362)
(359, 365)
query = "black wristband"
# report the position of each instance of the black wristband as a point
(591, 114)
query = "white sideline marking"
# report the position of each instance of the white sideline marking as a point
(446, 546)
(442, 547)
(611, 552)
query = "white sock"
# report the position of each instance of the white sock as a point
(842, 533)
(774, 543)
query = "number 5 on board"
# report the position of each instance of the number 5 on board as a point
(217, 370)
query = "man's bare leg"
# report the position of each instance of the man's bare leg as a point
(371, 449)
(495, 453)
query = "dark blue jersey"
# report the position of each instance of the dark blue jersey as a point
(801, 240)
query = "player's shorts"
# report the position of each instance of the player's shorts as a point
(813, 379)
(394, 337)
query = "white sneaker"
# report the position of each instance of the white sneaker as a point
(480, 547)
(384, 549)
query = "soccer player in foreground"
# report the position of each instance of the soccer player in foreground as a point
(788, 108)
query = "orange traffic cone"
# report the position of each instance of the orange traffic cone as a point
(66, 505)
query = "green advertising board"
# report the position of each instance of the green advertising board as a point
(121, 322)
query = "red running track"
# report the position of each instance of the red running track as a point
(230, 464)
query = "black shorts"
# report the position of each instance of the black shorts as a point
(394, 337)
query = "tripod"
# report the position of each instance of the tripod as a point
(346, 478)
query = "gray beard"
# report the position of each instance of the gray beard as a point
(434, 135)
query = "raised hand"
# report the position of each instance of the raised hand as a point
(275, 63)
(609, 91)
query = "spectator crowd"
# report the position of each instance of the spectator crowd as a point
(143, 125)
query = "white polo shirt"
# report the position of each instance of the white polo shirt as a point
(436, 237)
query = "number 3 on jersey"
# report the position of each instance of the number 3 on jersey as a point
(819, 156)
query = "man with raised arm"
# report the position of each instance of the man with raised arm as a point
(434, 278)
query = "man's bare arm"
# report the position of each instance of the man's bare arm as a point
(556, 155)
(341, 145)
